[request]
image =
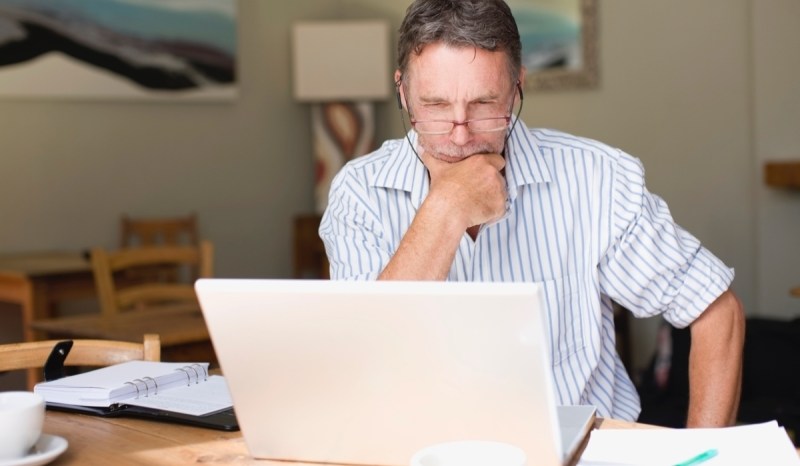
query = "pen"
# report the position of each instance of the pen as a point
(701, 458)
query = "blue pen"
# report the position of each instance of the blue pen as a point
(701, 458)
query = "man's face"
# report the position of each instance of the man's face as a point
(459, 84)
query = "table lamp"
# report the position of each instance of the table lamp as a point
(340, 67)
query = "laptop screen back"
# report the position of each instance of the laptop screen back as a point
(370, 372)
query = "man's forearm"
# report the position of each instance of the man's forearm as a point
(715, 363)
(428, 247)
(462, 195)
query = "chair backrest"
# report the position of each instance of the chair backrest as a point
(137, 292)
(158, 231)
(33, 354)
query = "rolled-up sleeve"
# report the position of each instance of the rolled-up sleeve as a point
(351, 230)
(652, 265)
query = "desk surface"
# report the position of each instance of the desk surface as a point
(34, 264)
(99, 441)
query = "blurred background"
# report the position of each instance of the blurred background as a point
(704, 93)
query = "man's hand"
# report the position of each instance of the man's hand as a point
(462, 194)
(473, 189)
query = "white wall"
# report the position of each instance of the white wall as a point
(70, 168)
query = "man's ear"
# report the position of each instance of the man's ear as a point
(398, 88)
(521, 79)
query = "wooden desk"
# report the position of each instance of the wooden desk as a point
(784, 174)
(98, 441)
(40, 280)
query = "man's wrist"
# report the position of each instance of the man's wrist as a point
(449, 218)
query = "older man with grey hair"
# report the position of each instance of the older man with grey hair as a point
(472, 194)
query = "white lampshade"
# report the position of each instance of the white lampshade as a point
(341, 60)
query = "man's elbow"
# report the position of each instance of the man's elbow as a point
(737, 318)
(725, 318)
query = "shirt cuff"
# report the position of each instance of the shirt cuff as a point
(705, 280)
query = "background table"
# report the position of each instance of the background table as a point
(38, 281)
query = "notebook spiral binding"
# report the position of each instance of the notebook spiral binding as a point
(186, 369)
(190, 370)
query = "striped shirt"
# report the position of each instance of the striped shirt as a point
(581, 222)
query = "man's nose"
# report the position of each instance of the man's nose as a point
(461, 134)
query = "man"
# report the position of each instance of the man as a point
(472, 194)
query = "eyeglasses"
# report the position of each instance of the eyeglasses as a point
(474, 125)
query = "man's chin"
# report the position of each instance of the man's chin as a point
(455, 156)
(451, 158)
(458, 158)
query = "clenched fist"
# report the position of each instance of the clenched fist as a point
(473, 190)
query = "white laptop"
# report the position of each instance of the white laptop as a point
(371, 372)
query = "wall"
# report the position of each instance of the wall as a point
(776, 105)
(72, 167)
(678, 89)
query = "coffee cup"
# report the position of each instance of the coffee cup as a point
(470, 453)
(21, 420)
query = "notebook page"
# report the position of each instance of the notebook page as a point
(199, 399)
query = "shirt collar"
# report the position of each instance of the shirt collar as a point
(525, 163)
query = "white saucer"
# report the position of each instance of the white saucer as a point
(46, 450)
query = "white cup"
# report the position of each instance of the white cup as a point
(21, 420)
(470, 453)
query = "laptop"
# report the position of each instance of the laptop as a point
(371, 372)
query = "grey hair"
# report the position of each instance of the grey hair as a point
(484, 24)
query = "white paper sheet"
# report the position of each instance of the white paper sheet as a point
(197, 399)
(757, 444)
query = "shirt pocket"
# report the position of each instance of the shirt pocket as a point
(567, 316)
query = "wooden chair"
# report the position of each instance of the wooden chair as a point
(310, 260)
(33, 354)
(173, 231)
(140, 293)
(158, 231)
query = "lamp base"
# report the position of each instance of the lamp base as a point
(341, 131)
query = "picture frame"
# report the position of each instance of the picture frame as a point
(176, 50)
(559, 43)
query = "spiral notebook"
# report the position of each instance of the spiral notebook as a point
(176, 392)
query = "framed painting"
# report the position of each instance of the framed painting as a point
(559, 43)
(148, 49)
